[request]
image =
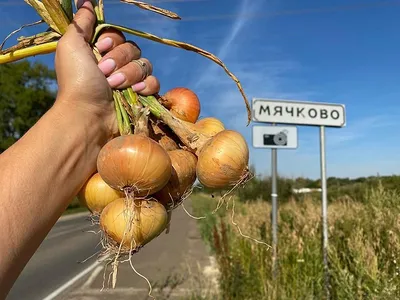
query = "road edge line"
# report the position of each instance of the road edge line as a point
(72, 281)
(92, 277)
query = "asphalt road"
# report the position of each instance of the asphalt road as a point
(54, 272)
(57, 259)
(178, 261)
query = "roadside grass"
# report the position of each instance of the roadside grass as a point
(74, 210)
(364, 252)
(74, 207)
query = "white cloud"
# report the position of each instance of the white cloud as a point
(227, 44)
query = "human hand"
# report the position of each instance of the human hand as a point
(84, 83)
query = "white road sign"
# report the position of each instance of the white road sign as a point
(298, 112)
(275, 137)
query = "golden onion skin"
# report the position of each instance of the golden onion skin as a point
(136, 163)
(141, 221)
(182, 178)
(223, 160)
(209, 126)
(183, 104)
(96, 194)
(164, 136)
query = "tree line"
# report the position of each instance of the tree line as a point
(260, 187)
(25, 95)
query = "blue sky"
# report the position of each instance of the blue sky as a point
(336, 51)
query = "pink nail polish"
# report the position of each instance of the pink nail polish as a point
(140, 86)
(116, 79)
(79, 3)
(107, 66)
(104, 44)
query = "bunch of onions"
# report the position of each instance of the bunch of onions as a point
(139, 166)
(150, 168)
(222, 154)
(130, 169)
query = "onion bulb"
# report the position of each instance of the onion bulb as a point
(135, 164)
(183, 104)
(164, 136)
(209, 126)
(96, 194)
(182, 178)
(223, 160)
(133, 223)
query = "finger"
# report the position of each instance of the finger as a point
(130, 74)
(119, 57)
(84, 21)
(151, 86)
(109, 39)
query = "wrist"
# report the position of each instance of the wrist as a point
(82, 135)
(100, 119)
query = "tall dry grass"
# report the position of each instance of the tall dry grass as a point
(364, 248)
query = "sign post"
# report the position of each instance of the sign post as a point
(274, 198)
(274, 137)
(308, 114)
(324, 210)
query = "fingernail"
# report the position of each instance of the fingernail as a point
(140, 86)
(116, 79)
(79, 3)
(104, 44)
(107, 66)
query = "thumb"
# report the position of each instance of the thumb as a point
(84, 20)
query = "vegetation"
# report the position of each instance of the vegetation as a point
(75, 207)
(259, 187)
(25, 95)
(364, 248)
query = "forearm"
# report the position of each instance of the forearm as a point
(39, 176)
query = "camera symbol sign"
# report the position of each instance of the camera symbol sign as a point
(275, 137)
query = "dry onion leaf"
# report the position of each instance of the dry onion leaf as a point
(57, 14)
(17, 30)
(37, 39)
(158, 10)
(101, 10)
(42, 11)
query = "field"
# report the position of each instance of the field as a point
(364, 252)
(364, 233)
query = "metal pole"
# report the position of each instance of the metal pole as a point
(274, 196)
(324, 208)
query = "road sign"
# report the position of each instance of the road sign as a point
(275, 137)
(299, 112)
